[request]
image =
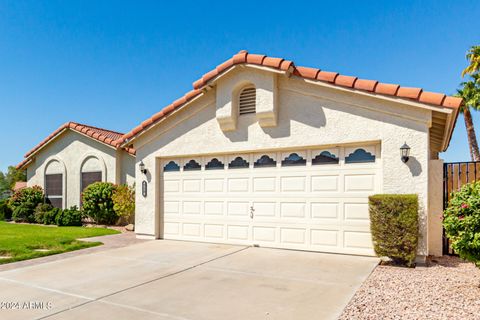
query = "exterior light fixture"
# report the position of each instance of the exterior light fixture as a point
(142, 167)
(405, 152)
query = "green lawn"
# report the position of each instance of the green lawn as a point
(19, 241)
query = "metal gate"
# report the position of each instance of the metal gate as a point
(455, 175)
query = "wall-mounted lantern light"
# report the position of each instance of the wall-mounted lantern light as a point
(142, 167)
(405, 152)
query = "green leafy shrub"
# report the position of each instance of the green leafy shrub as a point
(124, 203)
(23, 203)
(394, 226)
(50, 217)
(98, 203)
(461, 221)
(24, 213)
(69, 217)
(5, 211)
(40, 212)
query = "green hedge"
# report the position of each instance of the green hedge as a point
(5, 211)
(394, 226)
(98, 204)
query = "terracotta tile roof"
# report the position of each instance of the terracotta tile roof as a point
(243, 57)
(19, 185)
(108, 137)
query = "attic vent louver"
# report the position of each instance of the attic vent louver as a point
(247, 100)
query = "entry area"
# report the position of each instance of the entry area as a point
(311, 199)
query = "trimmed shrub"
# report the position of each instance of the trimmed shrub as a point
(5, 211)
(394, 226)
(31, 197)
(461, 221)
(124, 203)
(69, 217)
(24, 213)
(98, 203)
(40, 212)
(50, 217)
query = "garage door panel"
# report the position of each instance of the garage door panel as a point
(270, 202)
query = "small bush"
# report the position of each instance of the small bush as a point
(40, 212)
(124, 203)
(69, 217)
(24, 213)
(461, 221)
(5, 211)
(50, 217)
(98, 203)
(30, 197)
(394, 226)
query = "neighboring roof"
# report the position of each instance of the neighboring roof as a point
(105, 136)
(333, 78)
(19, 185)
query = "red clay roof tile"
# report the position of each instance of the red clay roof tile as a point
(310, 73)
(366, 85)
(255, 58)
(387, 89)
(432, 98)
(411, 93)
(452, 102)
(327, 76)
(345, 81)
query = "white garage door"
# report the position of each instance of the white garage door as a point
(302, 199)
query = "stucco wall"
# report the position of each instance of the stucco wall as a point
(73, 150)
(435, 207)
(308, 115)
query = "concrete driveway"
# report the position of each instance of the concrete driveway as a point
(185, 280)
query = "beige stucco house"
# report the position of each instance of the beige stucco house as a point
(263, 152)
(74, 156)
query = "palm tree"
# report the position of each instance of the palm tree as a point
(470, 93)
(473, 56)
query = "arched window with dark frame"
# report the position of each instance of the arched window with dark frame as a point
(360, 156)
(192, 165)
(325, 157)
(293, 160)
(238, 163)
(264, 162)
(171, 166)
(215, 164)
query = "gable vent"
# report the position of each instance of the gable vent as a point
(247, 100)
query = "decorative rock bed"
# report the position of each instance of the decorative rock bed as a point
(446, 289)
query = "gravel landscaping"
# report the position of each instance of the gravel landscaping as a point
(448, 288)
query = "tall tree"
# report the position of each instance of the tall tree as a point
(470, 93)
(8, 179)
(473, 56)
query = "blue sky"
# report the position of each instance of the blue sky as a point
(115, 63)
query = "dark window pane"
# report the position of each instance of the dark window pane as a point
(214, 164)
(171, 166)
(265, 161)
(90, 177)
(238, 163)
(294, 160)
(325, 157)
(359, 156)
(192, 165)
(56, 202)
(54, 184)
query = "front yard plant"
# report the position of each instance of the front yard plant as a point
(98, 203)
(5, 211)
(26, 241)
(124, 202)
(394, 226)
(23, 203)
(461, 221)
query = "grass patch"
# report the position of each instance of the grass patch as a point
(20, 241)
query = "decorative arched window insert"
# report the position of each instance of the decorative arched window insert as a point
(325, 157)
(294, 160)
(238, 163)
(265, 161)
(214, 164)
(171, 166)
(192, 165)
(247, 100)
(360, 156)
